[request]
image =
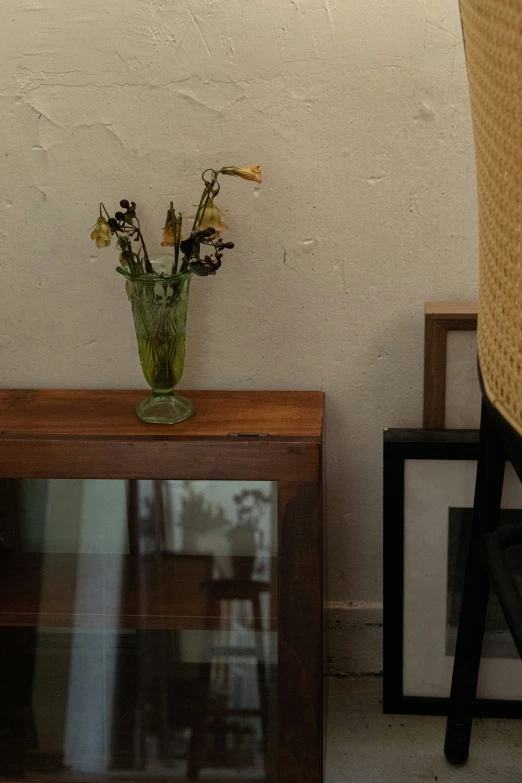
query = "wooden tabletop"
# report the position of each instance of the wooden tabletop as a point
(69, 412)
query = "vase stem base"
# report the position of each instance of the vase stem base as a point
(170, 409)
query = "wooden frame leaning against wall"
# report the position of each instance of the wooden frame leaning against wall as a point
(439, 319)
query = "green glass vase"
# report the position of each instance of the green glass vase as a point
(159, 307)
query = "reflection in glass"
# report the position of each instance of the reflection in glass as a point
(138, 630)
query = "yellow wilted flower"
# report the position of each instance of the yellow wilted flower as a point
(252, 173)
(101, 233)
(168, 237)
(212, 218)
(172, 228)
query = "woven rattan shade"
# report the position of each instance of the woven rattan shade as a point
(493, 41)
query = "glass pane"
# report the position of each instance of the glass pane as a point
(138, 630)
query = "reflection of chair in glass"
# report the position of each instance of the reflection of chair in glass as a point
(245, 590)
(176, 687)
(159, 694)
(235, 603)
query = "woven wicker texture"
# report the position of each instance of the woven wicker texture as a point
(493, 41)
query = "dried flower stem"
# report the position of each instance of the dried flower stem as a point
(208, 192)
(148, 266)
(176, 253)
(206, 229)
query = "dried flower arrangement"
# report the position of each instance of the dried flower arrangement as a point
(206, 229)
(159, 296)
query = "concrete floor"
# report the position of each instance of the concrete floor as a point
(365, 746)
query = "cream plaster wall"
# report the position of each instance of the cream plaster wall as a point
(358, 112)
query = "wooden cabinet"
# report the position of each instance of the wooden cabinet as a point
(160, 588)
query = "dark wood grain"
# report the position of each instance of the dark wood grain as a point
(300, 633)
(435, 348)
(112, 413)
(439, 319)
(246, 460)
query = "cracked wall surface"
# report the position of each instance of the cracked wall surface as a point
(358, 113)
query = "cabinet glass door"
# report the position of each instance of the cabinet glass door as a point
(138, 630)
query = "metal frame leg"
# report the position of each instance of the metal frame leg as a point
(486, 507)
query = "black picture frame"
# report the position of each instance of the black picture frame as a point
(415, 444)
